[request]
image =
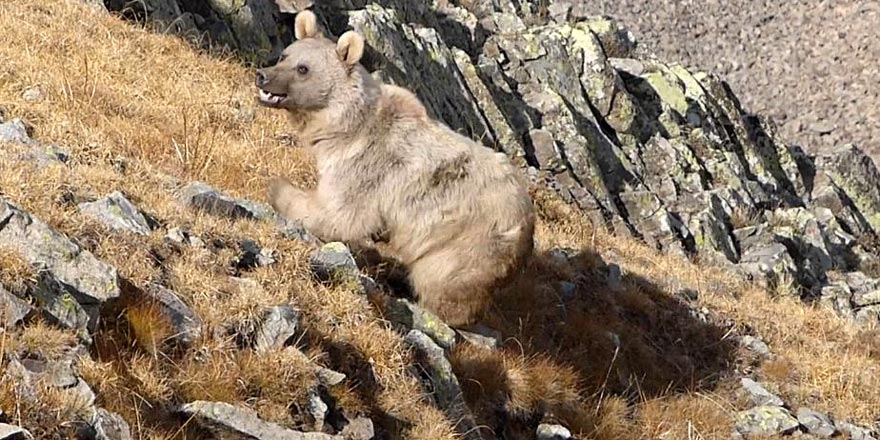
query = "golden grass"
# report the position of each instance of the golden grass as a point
(611, 365)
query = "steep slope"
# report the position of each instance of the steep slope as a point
(214, 300)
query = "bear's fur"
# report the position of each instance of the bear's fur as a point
(456, 214)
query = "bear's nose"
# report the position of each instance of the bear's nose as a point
(261, 78)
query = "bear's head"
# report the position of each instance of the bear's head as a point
(310, 70)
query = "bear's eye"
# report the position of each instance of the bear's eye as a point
(302, 69)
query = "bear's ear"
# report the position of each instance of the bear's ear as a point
(306, 25)
(350, 48)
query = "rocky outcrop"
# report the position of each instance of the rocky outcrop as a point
(73, 285)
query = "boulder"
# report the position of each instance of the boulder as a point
(117, 213)
(238, 420)
(73, 284)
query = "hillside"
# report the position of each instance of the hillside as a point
(695, 275)
(808, 65)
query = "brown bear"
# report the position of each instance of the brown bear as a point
(456, 214)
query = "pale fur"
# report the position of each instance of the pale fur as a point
(456, 214)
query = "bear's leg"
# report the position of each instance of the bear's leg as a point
(457, 293)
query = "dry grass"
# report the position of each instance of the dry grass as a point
(610, 364)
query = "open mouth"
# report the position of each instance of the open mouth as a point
(271, 99)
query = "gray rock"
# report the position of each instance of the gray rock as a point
(14, 131)
(118, 213)
(203, 197)
(816, 423)
(756, 345)
(73, 284)
(552, 432)
(33, 94)
(317, 411)
(360, 428)
(253, 255)
(765, 421)
(13, 310)
(856, 432)
(480, 335)
(182, 236)
(444, 383)
(12, 432)
(328, 377)
(759, 395)
(278, 326)
(186, 325)
(110, 426)
(238, 420)
(334, 262)
(412, 317)
(856, 173)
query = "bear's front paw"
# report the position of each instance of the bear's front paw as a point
(286, 199)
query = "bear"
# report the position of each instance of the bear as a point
(456, 214)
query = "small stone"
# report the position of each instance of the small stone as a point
(816, 423)
(765, 421)
(317, 410)
(278, 326)
(12, 432)
(360, 428)
(242, 421)
(110, 426)
(552, 432)
(203, 197)
(181, 236)
(13, 310)
(480, 335)
(328, 377)
(186, 325)
(254, 256)
(14, 131)
(33, 94)
(759, 395)
(856, 432)
(118, 213)
(756, 345)
(615, 276)
(410, 316)
(334, 262)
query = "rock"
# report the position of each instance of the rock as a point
(278, 326)
(118, 213)
(765, 421)
(238, 420)
(444, 383)
(15, 131)
(756, 345)
(33, 94)
(252, 255)
(856, 432)
(412, 317)
(12, 432)
(360, 428)
(181, 236)
(334, 262)
(13, 310)
(759, 395)
(328, 377)
(202, 197)
(317, 410)
(552, 432)
(480, 335)
(184, 325)
(254, 29)
(816, 423)
(854, 172)
(110, 426)
(73, 285)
